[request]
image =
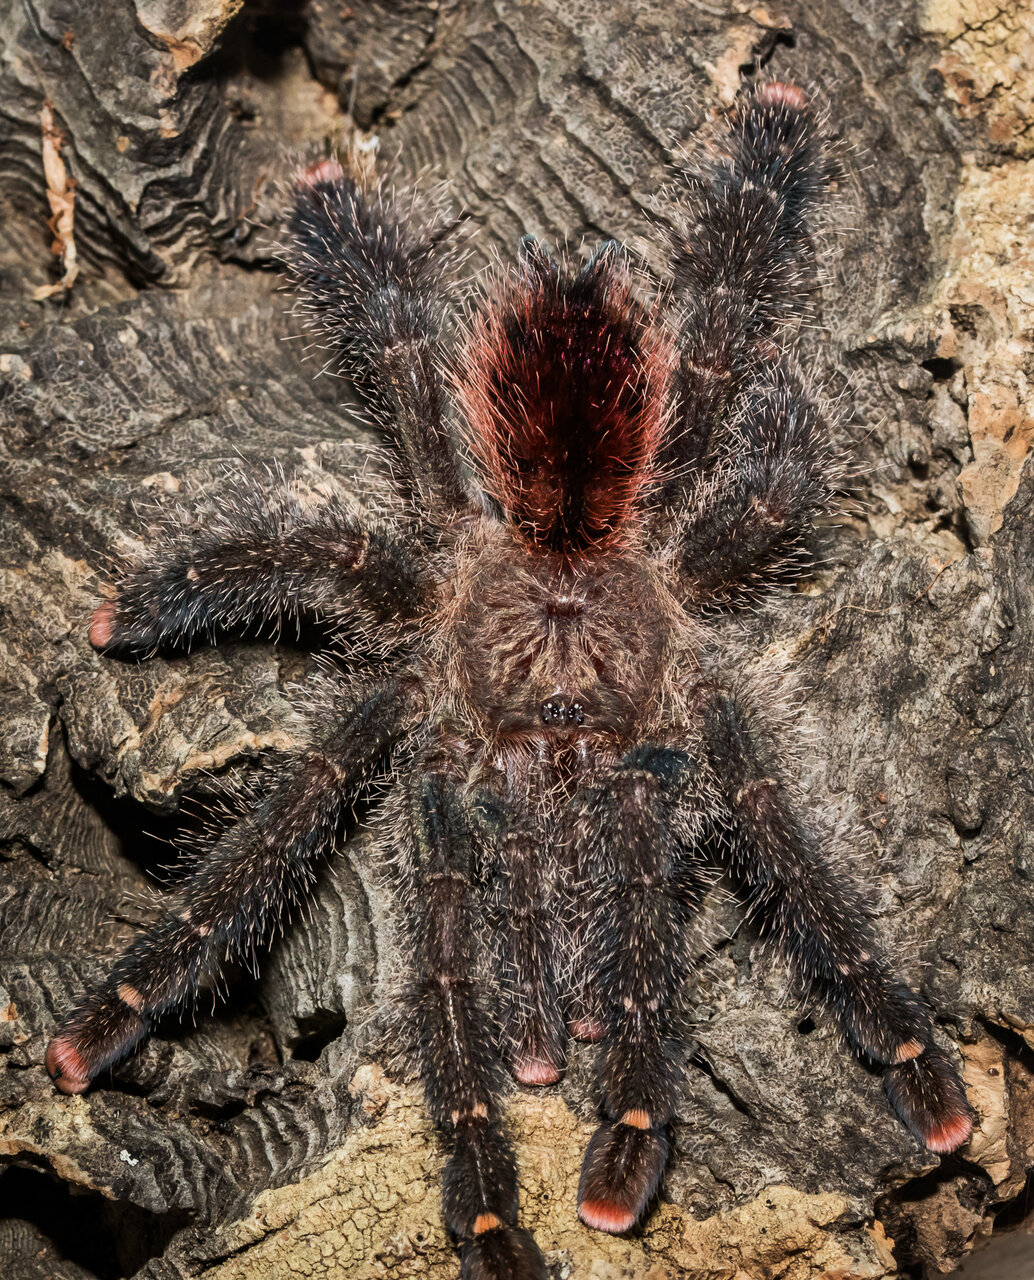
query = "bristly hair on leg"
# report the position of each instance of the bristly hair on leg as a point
(742, 262)
(261, 560)
(928, 1096)
(371, 277)
(772, 475)
(564, 380)
(368, 265)
(743, 258)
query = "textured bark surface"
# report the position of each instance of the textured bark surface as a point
(262, 1141)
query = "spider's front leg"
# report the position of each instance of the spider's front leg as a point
(749, 467)
(820, 919)
(241, 890)
(262, 560)
(459, 1056)
(643, 892)
(744, 527)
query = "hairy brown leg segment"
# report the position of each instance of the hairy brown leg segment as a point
(264, 560)
(584, 1006)
(372, 281)
(819, 917)
(643, 895)
(242, 889)
(745, 529)
(742, 262)
(750, 463)
(526, 923)
(459, 1053)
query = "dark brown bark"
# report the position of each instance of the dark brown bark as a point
(164, 365)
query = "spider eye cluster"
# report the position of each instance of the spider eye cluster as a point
(561, 710)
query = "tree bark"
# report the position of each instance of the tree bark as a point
(147, 360)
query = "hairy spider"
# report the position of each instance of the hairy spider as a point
(574, 744)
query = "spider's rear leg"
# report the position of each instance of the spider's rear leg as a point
(242, 888)
(742, 262)
(261, 561)
(642, 902)
(820, 919)
(372, 281)
(527, 932)
(459, 1056)
(745, 526)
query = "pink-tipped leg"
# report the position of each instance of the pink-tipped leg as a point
(102, 626)
(950, 1135)
(326, 170)
(785, 95)
(66, 1066)
(535, 1071)
(621, 1172)
(927, 1094)
(94, 1037)
(588, 1029)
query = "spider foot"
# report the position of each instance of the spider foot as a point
(778, 94)
(621, 1172)
(84, 1047)
(588, 1028)
(536, 1049)
(113, 628)
(502, 1253)
(326, 170)
(102, 625)
(66, 1066)
(927, 1094)
(535, 1070)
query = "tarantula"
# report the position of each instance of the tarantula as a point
(573, 746)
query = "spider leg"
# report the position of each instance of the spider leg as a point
(819, 917)
(241, 891)
(372, 284)
(643, 898)
(742, 261)
(744, 527)
(262, 560)
(526, 942)
(459, 1057)
(584, 1002)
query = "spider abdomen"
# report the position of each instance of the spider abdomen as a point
(564, 385)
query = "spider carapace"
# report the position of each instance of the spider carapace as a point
(582, 483)
(552, 651)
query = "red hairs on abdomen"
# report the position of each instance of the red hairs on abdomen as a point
(563, 382)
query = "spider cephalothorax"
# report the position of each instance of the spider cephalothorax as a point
(575, 749)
